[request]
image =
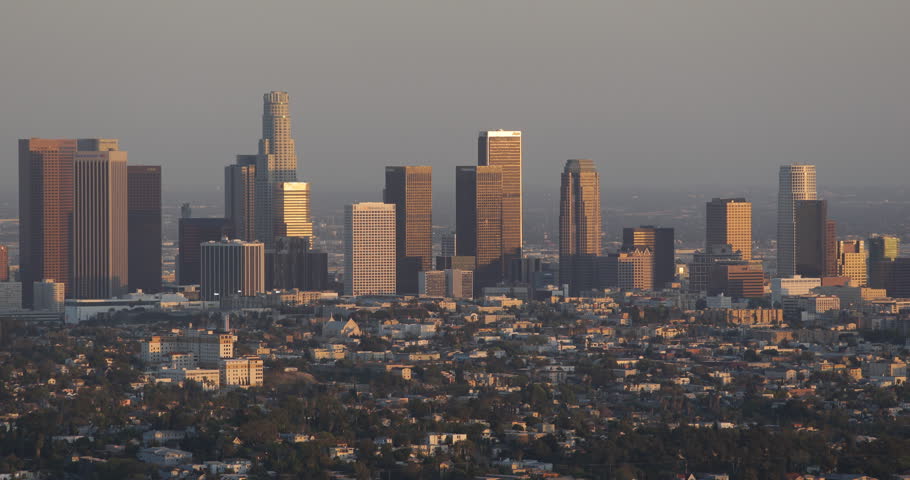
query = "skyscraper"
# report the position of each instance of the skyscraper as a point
(369, 249)
(45, 212)
(144, 227)
(796, 182)
(899, 278)
(231, 268)
(275, 163)
(240, 197)
(883, 250)
(579, 225)
(812, 241)
(100, 223)
(296, 266)
(661, 241)
(292, 210)
(851, 261)
(884, 247)
(478, 221)
(503, 149)
(411, 190)
(728, 221)
(192, 232)
(4, 263)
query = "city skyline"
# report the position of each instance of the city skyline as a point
(499, 240)
(480, 202)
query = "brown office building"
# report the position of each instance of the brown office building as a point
(100, 222)
(815, 246)
(729, 222)
(579, 225)
(410, 188)
(737, 280)
(503, 149)
(144, 232)
(478, 221)
(701, 269)
(4, 263)
(45, 212)
(191, 233)
(661, 241)
(240, 197)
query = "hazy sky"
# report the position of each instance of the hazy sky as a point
(674, 92)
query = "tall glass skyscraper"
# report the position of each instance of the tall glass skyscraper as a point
(100, 223)
(797, 182)
(579, 225)
(502, 148)
(45, 212)
(144, 217)
(478, 221)
(410, 188)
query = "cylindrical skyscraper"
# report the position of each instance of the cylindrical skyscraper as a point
(276, 162)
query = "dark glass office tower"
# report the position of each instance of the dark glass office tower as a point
(144, 227)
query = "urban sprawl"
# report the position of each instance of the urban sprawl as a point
(396, 349)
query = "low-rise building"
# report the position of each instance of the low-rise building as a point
(207, 346)
(162, 456)
(243, 372)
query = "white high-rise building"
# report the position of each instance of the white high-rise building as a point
(369, 249)
(275, 163)
(797, 182)
(292, 210)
